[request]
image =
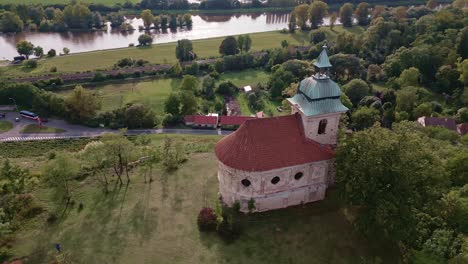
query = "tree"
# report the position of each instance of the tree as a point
(208, 86)
(333, 19)
(25, 48)
(120, 152)
(247, 43)
(406, 99)
(13, 178)
(226, 88)
(364, 117)
(94, 157)
(388, 176)
(462, 48)
(184, 50)
(59, 171)
(190, 83)
(66, 50)
(424, 109)
(432, 4)
(10, 22)
(240, 42)
(172, 105)
(51, 53)
(356, 89)
(302, 14)
(409, 77)
(188, 20)
(38, 51)
(189, 103)
(318, 10)
(362, 14)
(292, 22)
(140, 116)
(145, 39)
(147, 18)
(346, 15)
(30, 64)
(78, 16)
(81, 104)
(229, 46)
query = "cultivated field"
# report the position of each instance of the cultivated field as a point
(156, 223)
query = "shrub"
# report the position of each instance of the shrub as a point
(207, 220)
(317, 36)
(227, 88)
(251, 205)
(229, 228)
(51, 53)
(99, 77)
(53, 69)
(30, 64)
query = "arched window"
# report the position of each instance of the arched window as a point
(322, 126)
(275, 180)
(246, 182)
(298, 176)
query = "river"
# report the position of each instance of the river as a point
(204, 26)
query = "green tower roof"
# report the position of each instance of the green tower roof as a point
(323, 61)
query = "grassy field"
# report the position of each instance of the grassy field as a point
(155, 92)
(34, 128)
(5, 126)
(156, 223)
(161, 53)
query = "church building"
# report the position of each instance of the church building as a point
(286, 160)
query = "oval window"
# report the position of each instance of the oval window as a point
(245, 182)
(275, 180)
(298, 175)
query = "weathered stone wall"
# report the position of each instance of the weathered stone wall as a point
(311, 126)
(288, 191)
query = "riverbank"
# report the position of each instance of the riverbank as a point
(159, 53)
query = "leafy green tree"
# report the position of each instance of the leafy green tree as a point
(140, 116)
(356, 89)
(409, 77)
(424, 109)
(188, 20)
(457, 167)
(432, 4)
(362, 14)
(95, 159)
(318, 10)
(189, 103)
(51, 53)
(346, 15)
(145, 39)
(147, 17)
(38, 51)
(333, 19)
(364, 117)
(190, 83)
(448, 79)
(59, 171)
(240, 42)
(229, 46)
(66, 50)
(25, 48)
(441, 244)
(116, 19)
(184, 50)
(82, 104)
(302, 15)
(388, 176)
(208, 85)
(36, 14)
(172, 105)
(227, 88)
(78, 16)
(13, 179)
(406, 99)
(346, 66)
(172, 155)
(10, 22)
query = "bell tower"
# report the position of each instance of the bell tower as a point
(318, 102)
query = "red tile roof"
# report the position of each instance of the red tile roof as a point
(463, 129)
(443, 122)
(234, 120)
(201, 120)
(270, 143)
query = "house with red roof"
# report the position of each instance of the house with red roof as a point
(445, 122)
(462, 129)
(287, 160)
(201, 121)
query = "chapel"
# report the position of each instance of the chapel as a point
(287, 160)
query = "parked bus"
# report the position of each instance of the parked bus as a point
(30, 115)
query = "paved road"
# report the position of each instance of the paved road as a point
(77, 131)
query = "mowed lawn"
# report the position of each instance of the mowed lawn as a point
(162, 53)
(34, 128)
(156, 223)
(5, 126)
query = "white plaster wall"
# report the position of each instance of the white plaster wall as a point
(311, 125)
(287, 192)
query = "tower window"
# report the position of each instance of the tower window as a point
(245, 182)
(298, 175)
(322, 126)
(275, 180)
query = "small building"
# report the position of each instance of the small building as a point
(462, 129)
(247, 89)
(233, 122)
(260, 114)
(201, 121)
(445, 122)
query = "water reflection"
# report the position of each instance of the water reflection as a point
(204, 26)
